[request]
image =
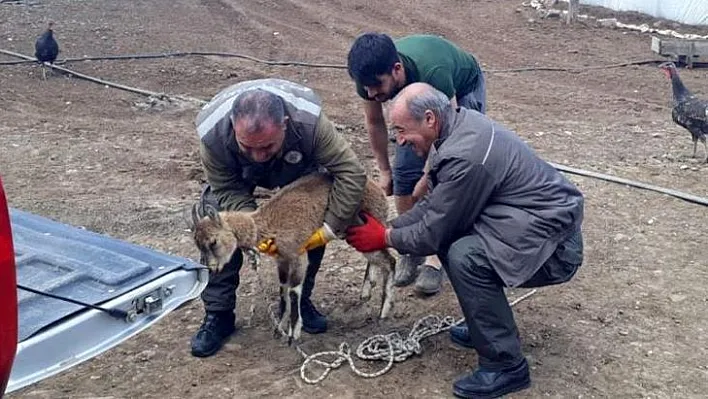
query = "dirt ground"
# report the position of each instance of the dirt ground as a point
(632, 324)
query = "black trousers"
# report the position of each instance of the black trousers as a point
(480, 292)
(220, 292)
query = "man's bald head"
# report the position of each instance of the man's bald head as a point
(418, 97)
(259, 122)
(418, 114)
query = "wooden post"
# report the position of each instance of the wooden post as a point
(689, 56)
(573, 6)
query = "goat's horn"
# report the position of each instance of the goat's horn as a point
(195, 214)
(213, 213)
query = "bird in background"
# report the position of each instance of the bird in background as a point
(689, 111)
(46, 48)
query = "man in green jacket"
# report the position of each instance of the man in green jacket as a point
(381, 67)
(268, 133)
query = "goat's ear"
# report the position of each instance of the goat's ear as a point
(213, 214)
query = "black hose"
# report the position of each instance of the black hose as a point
(311, 64)
(685, 196)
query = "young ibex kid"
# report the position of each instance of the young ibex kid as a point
(288, 219)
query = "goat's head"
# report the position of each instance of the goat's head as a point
(214, 238)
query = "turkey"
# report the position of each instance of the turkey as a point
(46, 48)
(688, 111)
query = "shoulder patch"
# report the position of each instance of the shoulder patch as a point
(293, 157)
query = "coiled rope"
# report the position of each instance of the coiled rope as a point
(392, 347)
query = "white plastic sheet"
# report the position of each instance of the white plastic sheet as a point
(691, 12)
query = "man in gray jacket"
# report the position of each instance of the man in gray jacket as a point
(495, 213)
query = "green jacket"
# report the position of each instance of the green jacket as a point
(311, 143)
(437, 61)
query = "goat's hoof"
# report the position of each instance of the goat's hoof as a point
(385, 310)
(297, 331)
(284, 327)
(365, 295)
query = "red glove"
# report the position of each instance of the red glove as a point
(369, 237)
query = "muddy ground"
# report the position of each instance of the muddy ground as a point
(632, 324)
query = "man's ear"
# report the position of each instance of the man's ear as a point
(430, 118)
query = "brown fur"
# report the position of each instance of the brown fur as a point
(289, 218)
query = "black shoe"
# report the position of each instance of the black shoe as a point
(313, 322)
(407, 270)
(461, 336)
(483, 384)
(211, 336)
(429, 280)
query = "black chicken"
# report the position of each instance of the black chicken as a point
(46, 48)
(688, 110)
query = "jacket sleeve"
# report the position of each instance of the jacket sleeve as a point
(334, 153)
(228, 187)
(462, 191)
(419, 208)
(413, 215)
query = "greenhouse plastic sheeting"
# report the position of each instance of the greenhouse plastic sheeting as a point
(692, 12)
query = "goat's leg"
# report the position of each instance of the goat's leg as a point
(368, 283)
(386, 263)
(295, 316)
(388, 266)
(695, 146)
(705, 149)
(283, 274)
(295, 284)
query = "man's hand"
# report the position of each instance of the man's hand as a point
(320, 237)
(267, 246)
(386, 182)
(369, 237)
(421, 188)
(375, 124)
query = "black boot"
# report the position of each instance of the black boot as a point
(493, 384)
(313, 322)
(213, 333)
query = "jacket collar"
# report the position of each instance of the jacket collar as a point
(452, 120)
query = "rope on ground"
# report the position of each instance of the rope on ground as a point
(674, 193)
(161, 96)
(312, 64)
(392, 348)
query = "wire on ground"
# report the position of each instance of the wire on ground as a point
(568, 169)
(315, 65)
(143, 92)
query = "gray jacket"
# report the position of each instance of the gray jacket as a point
(485, 180)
